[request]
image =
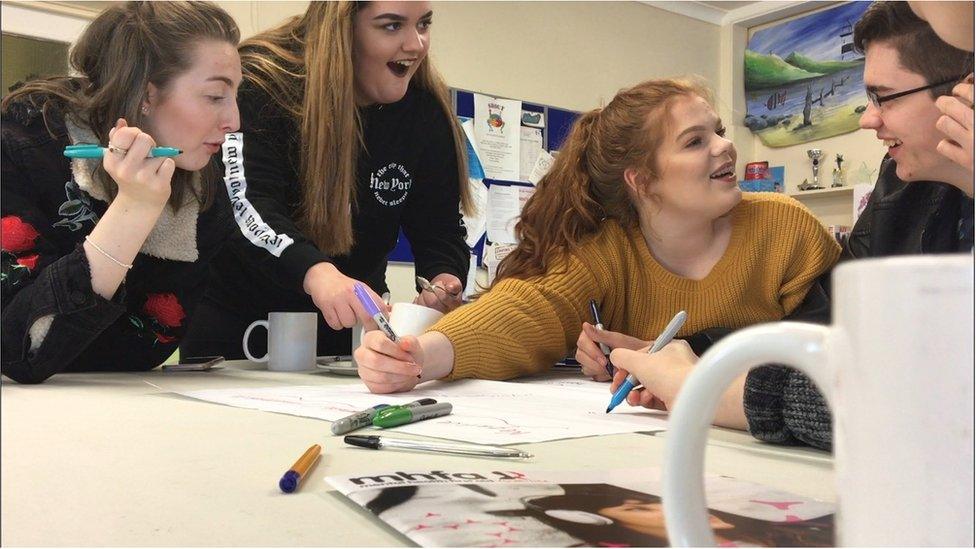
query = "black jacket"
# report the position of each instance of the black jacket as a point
(407, 177)
(46, 276)
(781, 404)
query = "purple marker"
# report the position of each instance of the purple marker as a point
(374, 311)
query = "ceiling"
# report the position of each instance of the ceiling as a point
(726, 5)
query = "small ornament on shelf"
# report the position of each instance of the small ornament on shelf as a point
(815, 155)
(838, 172)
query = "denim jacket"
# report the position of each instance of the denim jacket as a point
(52, 321)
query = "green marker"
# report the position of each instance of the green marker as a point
(401, 415)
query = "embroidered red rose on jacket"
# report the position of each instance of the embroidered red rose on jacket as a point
(16, 235)
(165, 308)
(29, 261)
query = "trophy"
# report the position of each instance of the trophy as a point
(838, 172)
(815, 155)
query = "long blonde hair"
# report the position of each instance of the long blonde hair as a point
(306, 65)
(586, 182)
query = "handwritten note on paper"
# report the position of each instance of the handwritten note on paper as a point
(485, 412)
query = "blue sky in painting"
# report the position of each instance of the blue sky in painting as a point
(816, 36)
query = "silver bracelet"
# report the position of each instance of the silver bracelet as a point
(106, 254)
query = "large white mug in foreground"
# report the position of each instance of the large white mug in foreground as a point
(896, 368)
(292, 340)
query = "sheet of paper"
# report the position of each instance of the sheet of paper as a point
(485, 412)
(529, 148)
(496, 129)
(475, 221)
(471, 285)
(493, 255)
(505, 204)
(533, 119)
(543, 163)
(862, 193)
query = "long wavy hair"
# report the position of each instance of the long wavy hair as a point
(586, 183)
(127, 47)
(306, 64)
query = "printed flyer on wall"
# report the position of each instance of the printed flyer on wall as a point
(498, 135)
(508, 507)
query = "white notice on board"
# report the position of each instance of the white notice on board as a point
(543, 163)
(530, 147)
(496, 127)
(505, 204)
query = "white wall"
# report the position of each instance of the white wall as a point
(856, 147)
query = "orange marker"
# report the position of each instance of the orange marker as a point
(289, 482)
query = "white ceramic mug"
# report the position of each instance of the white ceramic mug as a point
(292, 340)
(412, 319)
(896, 368)
(405, 319)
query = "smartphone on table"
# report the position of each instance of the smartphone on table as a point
(195, 364)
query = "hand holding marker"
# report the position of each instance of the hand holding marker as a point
(92, 150)
(599, 326)
(666, 336)
(374, 311)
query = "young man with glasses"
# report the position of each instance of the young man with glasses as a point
(922, 203)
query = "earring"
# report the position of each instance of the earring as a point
(145, 109)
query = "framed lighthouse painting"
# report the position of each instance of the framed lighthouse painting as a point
(803, 78)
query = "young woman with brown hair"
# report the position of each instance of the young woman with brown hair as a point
(100, 273)
(348, 136)
(641, 212)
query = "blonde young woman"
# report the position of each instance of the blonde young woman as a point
(348, 137)
(640, 212)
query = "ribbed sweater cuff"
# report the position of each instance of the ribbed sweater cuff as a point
(763, 403)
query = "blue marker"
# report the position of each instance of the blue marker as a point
(666, 336)
(374, 311)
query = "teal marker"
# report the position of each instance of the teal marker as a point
(89, 150)
(401, 415)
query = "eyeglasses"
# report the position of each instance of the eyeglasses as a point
(877, 100)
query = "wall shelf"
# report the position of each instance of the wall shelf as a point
(838, 191)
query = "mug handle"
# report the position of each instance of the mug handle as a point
(247, 333)
(797, 344)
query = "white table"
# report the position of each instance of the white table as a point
(108, 459)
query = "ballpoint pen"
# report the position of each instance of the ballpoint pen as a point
(380, 443)
(88, 150)
(290, 480)
(666, 336)
(599, 326)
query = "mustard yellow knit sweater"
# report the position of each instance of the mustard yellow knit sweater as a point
(522, 327)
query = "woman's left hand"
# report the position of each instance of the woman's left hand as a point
(446, 295)
(662, 374)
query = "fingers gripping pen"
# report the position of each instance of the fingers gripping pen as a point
(372, 310)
